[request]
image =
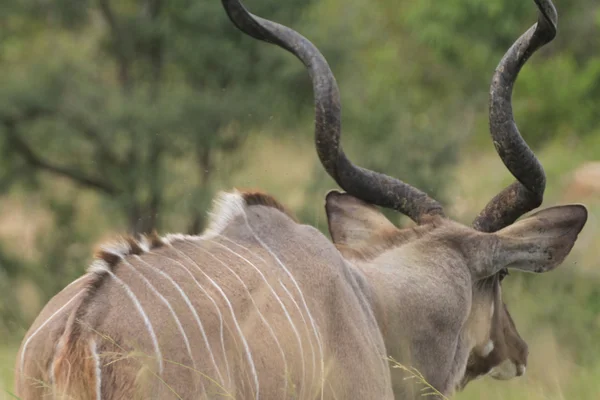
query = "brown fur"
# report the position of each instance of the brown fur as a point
(537, 244)
(369, 241)
(110, 259)
(135, 248)
(155, 240)
(420, 295)
(258, 198)
(75, 371)
(384, 241)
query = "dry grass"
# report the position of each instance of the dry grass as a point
(419, 380)
(8, 353)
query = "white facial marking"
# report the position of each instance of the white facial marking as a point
(505, 371)
(487, 349)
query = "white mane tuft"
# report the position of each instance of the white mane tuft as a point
(177, 237)
(226, 207)
(119, 248)
(98, 267)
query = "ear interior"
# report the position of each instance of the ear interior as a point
(540, 242)
(354, 223)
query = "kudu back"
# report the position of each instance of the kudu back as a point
(262, 307)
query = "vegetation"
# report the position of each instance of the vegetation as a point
(128, 116)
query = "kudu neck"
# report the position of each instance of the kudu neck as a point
(401, 280)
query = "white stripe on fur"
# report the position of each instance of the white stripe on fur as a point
(281, 304)
(98, 369)
(226, 207)
(44, 324)
(166, 303)
(310, 317)
(235, 321)
(260, 314)
(144, 316)
(187, 301)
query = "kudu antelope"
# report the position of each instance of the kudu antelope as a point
(262, 307)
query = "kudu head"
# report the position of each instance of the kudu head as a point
(487, 250)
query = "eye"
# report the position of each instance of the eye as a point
(503, 274)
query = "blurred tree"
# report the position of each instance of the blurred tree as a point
(403, 113)
(145, 103)
(10, 310)
(555, 93)
(113, 95)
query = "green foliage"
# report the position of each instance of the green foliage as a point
(143, 104)
(109, 95)
(558, 99)
(555, 93)
(128, 115)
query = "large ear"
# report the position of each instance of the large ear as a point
(354, 223)
(540, 242)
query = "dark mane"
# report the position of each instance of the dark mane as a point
(111, 255)
(258, 198)
(106, 258)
